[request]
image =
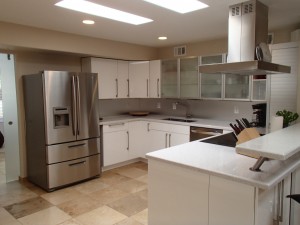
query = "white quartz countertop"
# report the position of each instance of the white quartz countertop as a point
(225, 162)
(280, 145)
(199, 122)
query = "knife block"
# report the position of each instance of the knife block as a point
(246, 135)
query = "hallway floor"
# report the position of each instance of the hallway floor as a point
(118, 197)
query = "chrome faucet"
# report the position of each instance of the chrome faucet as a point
(186, 107)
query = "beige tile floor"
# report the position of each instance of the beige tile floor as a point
(118, 197)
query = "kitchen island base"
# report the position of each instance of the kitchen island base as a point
(181, 195)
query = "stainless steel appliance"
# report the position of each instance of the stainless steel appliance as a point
(247, 37)
(198, 133)
(62, 131)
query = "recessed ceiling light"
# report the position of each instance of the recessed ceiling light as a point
(102, 11)
(181, 6)
(89, 22)
(162, 38)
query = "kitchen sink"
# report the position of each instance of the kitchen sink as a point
(180, 120)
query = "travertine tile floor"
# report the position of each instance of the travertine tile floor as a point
(118, 197)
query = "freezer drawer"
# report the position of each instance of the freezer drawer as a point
(73, 150)
(73, 171)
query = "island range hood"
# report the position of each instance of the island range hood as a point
(248, 53)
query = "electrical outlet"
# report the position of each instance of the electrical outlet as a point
(174, 106)
(158, 106)
(236, 110)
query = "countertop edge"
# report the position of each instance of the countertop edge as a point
(160, 119)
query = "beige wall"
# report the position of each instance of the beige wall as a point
(196, 49)
(18, 36)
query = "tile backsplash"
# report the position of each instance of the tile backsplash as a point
(219, 110)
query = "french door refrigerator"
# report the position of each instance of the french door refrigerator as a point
(62, 130)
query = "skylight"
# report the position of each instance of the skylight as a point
(181, 6)
(102, 11)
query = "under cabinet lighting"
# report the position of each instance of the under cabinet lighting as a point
(102, 11)
(181, 6)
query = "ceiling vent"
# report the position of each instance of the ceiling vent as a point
(180, 51)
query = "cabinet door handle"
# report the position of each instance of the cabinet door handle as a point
(279, 203)
(147, 88)
(169, 140)
(127, 140)
(128, 88)
(117, 89)
(148, 127)
(280, 217)
(158, 88)
(166, 141)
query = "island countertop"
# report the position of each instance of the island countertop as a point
(225, 162)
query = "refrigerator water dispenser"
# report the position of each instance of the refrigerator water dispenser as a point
(61, 117)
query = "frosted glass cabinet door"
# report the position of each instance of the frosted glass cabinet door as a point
(189, 78)
(169, 81)
(237, 86)
(211, 84)
(259, 87)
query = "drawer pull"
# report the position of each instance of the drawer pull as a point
(78, 163)
(78, 145)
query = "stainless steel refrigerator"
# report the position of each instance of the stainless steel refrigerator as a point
(62, 128)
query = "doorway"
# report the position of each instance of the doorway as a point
(2, 155)
(9, 153)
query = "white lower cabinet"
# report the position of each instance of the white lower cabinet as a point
(295, 206)
(162, 135)
(230, 203)
(115, 143)
(234, 203)
(179, 195)
(130, 140)
(138, 139)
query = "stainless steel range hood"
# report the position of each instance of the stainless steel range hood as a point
(247, 33)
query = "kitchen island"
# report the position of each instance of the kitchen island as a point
(201, 183)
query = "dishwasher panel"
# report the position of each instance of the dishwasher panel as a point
(197, 133)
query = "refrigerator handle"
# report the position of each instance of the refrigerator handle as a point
(78, 107)
(74, 106)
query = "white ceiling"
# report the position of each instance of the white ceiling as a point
(207, 24)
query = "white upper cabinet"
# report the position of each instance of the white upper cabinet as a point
(112, 76)
(107, 75)
(123, 79)
(155, 79)
(139, 79)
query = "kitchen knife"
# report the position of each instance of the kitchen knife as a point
(235, 128)
(246, 122)
(240, 125)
